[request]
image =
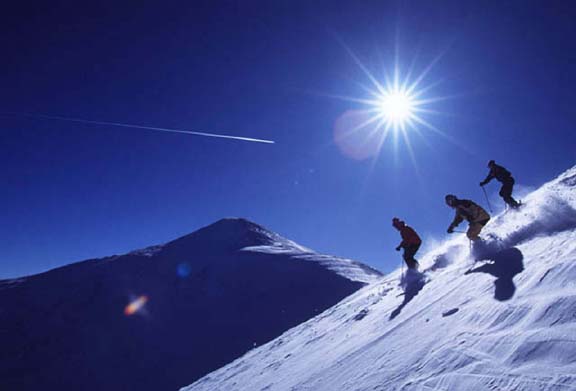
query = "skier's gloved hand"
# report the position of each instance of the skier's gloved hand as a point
(398, 248)
(482, 183)
(450, 230)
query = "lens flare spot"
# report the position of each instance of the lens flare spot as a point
(356, 135)
(184, 270)
(136, 305)
(394, 106)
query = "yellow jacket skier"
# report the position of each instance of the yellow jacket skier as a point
(467, 210)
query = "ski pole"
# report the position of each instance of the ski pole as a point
(472, 253)
(487, 200)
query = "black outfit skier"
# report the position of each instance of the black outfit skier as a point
(503, 176)
(410, 242)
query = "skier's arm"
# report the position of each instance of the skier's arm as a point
(488, 178)
(403, 242)
(457, 220)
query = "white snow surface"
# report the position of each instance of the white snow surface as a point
(347, 268)
(148, 251)
(508, 323)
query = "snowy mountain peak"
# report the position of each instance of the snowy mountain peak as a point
(235, 224)
(244, 236)
(232, 234)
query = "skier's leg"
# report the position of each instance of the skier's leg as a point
(416, 248)
(474, 230)
(514, 203)
(406, 257)
(409, 252)
(506, 193)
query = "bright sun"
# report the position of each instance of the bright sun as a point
(396, 106)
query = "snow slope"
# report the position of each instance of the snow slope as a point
(162, 317)
(507, 322)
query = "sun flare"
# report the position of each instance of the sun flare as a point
(396, 106)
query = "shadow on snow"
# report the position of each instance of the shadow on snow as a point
(414, 282)
(505, 265)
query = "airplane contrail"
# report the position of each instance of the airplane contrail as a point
(86, 121)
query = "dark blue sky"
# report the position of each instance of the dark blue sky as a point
(262, 69)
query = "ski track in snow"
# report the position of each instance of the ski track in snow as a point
(508, 323)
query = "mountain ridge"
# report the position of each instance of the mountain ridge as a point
(162, 316)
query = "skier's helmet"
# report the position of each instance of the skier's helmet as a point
(396, 222)
(491, 163)
(450, 198)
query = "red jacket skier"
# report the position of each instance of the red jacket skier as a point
(410, 242)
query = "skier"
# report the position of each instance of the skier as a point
(410, 242)
(476, 216)
(503, 176)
